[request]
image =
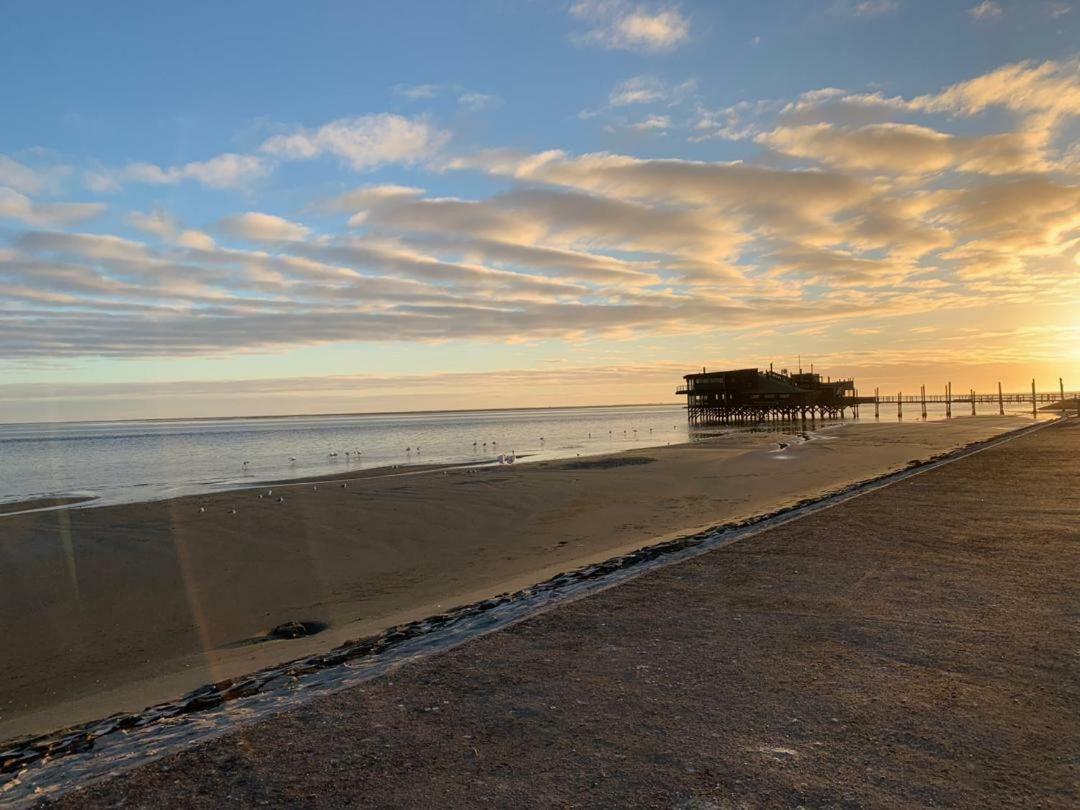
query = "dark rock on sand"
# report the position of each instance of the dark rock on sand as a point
(295, 629)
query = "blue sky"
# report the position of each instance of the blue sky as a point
(230, 192)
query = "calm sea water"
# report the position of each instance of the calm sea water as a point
(122, 462)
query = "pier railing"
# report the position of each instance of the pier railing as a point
(1034, 398)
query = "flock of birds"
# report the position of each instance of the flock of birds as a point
(503, 458)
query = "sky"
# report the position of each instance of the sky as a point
(278, 207)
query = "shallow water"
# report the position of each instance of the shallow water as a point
(124, 462)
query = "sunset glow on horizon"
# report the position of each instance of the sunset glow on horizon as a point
(340, 207)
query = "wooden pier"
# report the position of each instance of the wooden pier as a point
(971, 399)
(752, 396)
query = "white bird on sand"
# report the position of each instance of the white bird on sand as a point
(280, 499)
(232, 511)
(314, 487)
(343, 486)
(202, 509)
(269, 492)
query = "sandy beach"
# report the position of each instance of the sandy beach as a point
(914, 646)
(115, 608)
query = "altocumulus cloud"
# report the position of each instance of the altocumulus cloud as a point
(256, 227)
(630, 26)
(363, 142)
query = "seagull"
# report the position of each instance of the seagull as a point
(269, 492)
(292, 459)
(343, 486)
(202, 509)
(261, 496)
(232, 511)
(314, 487)
(280, 499)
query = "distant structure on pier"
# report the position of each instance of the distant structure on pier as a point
(752, 395)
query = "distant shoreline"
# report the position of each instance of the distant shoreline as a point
(341, 413)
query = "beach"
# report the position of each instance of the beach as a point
(118, 607)
(912, 646)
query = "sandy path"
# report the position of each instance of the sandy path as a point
(116, 608)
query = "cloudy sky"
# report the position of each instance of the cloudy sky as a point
(271, 207)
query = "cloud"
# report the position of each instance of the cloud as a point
(466, 99)
(903, 149)
(864, 8)
(194, 239)
(362, 143)
(653, 123)
(415, 92)
(226, 171)
(985, 10)
(14, 205)
(616, 24)
(638, 90)
(158, 223)
(30, 180)
(475, 102)
(1051, 88)
(166, 227)
(257, 227)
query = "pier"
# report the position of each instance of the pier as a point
(754, 396)
(750, 395)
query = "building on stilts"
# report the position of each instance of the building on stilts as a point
(750, 395)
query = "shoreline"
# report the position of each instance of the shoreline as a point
(222, 613)
(603, 575)
(158, 420)
(908, 647)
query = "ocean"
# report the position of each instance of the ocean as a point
(131, 461)
(125, 462)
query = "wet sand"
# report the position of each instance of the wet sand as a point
(913, 646)
(115, 608)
